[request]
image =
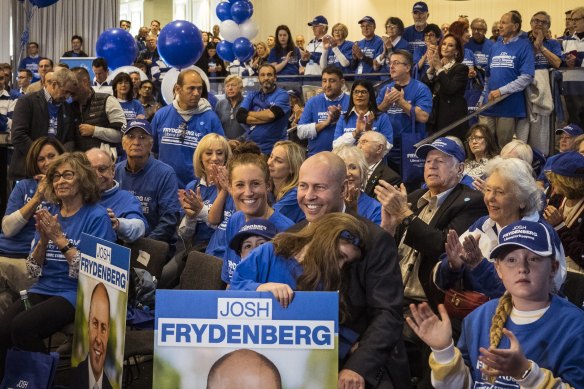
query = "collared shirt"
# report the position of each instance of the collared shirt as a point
(93, 384)
(372, 168)
(48, 96)
(409, 257)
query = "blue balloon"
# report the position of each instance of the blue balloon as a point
(241, 11)
(180, 44)
(223, 10)
(243, 49)
(117, 46)
(225, 51)
(43, 3)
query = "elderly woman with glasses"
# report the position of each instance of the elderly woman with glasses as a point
(73, 188)
(394, 27)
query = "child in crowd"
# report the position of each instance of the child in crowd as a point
(252, 234)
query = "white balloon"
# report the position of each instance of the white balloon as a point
(127, 69)
(229, 30)
(248, 29)
(169, 80)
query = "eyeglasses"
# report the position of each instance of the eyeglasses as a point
(395, 63)
(577, 19)
(512, 262)
(67, 175)
(102, 168)
(136, 136)
(478, 29)
(360, 92)
(475, 138)
(539, 21)
(430, 35)
(390, 26)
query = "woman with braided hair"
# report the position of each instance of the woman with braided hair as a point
(528, 338)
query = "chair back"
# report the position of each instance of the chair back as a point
(202, 272)
(148, 254)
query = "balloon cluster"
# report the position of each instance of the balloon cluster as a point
(237, 30)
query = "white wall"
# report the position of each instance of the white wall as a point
(5, 31)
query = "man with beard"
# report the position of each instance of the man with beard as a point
(266, 111)
(89, 373)
(414, 34)
(321, 113)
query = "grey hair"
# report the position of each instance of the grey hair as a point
(518, 149)
(350, 151)
(63, 77)
(379, 138)
(520, 174)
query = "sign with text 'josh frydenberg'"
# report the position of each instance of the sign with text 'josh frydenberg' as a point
(100, 316)
(233, 339)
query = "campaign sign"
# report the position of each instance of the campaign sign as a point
(84, 62)
(224, 339)
(100, 317)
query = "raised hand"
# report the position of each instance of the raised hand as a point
(454, 250)
(435, 332)
(191, 202)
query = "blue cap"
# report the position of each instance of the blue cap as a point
(318, 21)
(420, 6)
(571, 129)
(568, 164)
(259, 227)
(142, 124)
(367, 19)
(445, 145)
(529, 235)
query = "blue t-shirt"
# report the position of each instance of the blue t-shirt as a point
(541, 62)
(19, 244)
(176, 144)
(216, 246)
(507, 62)
(555, 342)
(381, 124)
(91, 219)
(371, 48)
(231, 259)
(316, 111)
(262, 265)
(124, 204)
(265, 135)
(288, 206)
(414, 38)
(369, 208)
(208, 194)
(293, 65)
(31, 64)
(402, 44)
(156, 187)
(480, 51)
(346, 49)
(132, 109)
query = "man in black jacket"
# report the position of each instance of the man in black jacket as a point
(42, 113)
(375, 147)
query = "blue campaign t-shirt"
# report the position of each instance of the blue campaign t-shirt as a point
(414, 38)
(480, 51)
(316, 111)
(369, 208)
(371, 48)
(288, 206)
(156, 187)
(555, 342)
(91, 219)
(231, 259)
(132, 109)
(507, 62)
(292, 67)
(216, 246)
(265, 135)
(208, 194)
(381, 124)
(19, 244)
(346, 49)
(261, 266)
(541, 62)
(175, 140)
(124, 204)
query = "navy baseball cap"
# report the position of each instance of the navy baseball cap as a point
(529, 235)
(571, 129)
(568, 164)
(420, 6)
(318, 21)
(254, 227)
(142, 124)
(445, 145)
(367, 19)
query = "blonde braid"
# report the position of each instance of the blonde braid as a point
(499, 319)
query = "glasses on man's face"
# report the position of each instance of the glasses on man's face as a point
(396, 63)
(539, 21)
(67, 175)
(360, 92)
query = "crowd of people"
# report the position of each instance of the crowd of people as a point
(324, 194)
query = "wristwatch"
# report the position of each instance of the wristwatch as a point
(67, 248)
(408, 220)
(526, 372)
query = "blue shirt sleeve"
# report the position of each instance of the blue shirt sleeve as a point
(384, 126)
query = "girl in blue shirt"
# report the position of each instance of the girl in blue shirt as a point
(123, 89)
(73, 187)
(284, 164)
(528, 338)
(285, 56)
(249, 181)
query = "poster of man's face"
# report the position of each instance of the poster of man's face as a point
(99, 323)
